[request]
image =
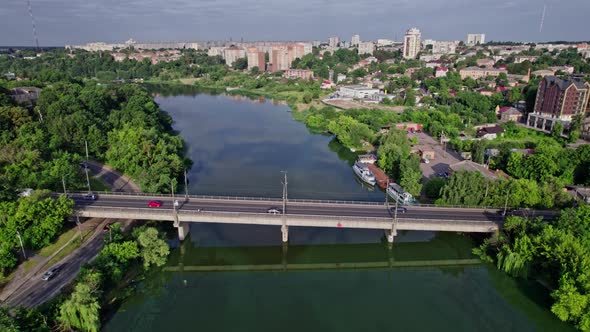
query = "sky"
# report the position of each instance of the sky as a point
(61, 22)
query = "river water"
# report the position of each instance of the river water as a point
(241, 278)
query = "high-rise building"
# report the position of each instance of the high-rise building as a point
(256, 59)
(412, 43)
(333, 41)
(355, 40)
(444, 47)
(475, 39)
(366, 48)
(558, 100)
(233, 53)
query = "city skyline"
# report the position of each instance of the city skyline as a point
(64, 22)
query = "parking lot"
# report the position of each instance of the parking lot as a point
(442, 159)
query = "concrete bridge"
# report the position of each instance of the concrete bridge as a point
(294, 213)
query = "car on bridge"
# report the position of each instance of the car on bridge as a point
(274, 210)
(400, 209)
(154, 204)
(90, 196)
(51, 273)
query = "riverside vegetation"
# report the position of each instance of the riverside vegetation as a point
(555, 253)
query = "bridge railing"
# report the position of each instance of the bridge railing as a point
(149, 211)
(276, 199)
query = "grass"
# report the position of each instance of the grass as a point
(28, 265)
(98, 185)
(61, 240)
(75, 244)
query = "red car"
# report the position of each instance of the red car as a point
(155, 204)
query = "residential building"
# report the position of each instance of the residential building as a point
(280, 59)
(508, 113)
(384, 42)
(25, 95)
(586, 129)
(477, 73)
(412, 43)
(366, 48)
(410, 127)
(425, 151)
(543, 72)
(334, 42)
(304, 74)
(444, 47)
(523, 58)
(356, 91)
(256, 59)
(340, 77)
(355, 40)
(558, 100)
(490, 132)
(441, 72)
(10, 76)
(486, 62)
(233, 53)
(215, 51)
(475, 39)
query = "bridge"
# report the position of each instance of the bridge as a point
(293, 213)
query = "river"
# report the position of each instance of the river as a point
(233, 277)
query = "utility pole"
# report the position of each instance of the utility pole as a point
(506, 203)
(78, 224)
(284, 191)
(486, 194)
(63, 181)
(21, 244)
(86, 167)
(185, 187)
(172, 191)
(18, 235)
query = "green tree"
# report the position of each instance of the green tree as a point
(153, 250)
(81, 310)
(433, 187)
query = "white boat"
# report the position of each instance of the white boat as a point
(363, 172)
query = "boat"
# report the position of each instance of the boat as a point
(363, 172)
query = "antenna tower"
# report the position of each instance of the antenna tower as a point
(34, 27)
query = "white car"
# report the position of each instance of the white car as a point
(426, 161)
(274, 210)
(52, 272)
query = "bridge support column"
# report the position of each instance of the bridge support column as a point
(285, 231)
(390, 234)
(183, 229)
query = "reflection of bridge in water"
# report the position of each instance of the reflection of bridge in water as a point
(410, 255)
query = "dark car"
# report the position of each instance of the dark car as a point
(51, 273)
(90, 196)
(400, 209)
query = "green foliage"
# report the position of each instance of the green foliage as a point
(558, 252)
(153, 249)
(81, 310)
(350, 132)
(433, 187)
(7, 322)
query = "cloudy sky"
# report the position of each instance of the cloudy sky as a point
(62, 22)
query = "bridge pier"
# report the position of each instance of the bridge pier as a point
(390, 234)
(285, 232)
(183, 230)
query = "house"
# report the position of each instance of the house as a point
(407, 126)
(326, 85)
(10, 76)
(25, 95)
(441, 72)
(367, 158)
(356, 91)
(510, 114)
(485, 62)
(470, 166)
(490, 132)
(425, 151)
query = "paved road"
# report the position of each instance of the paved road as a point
(298, 208)
(36, 291)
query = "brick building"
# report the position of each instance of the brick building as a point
(558, 100)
